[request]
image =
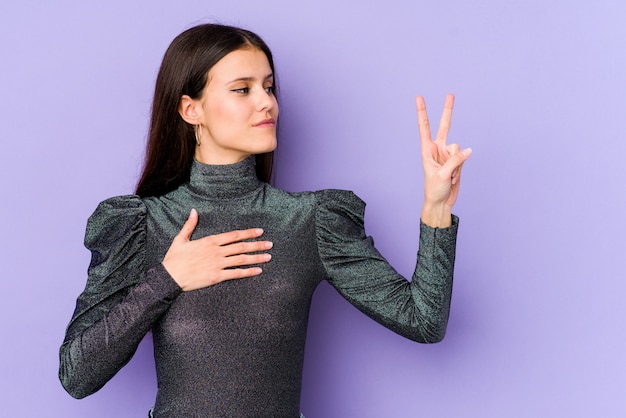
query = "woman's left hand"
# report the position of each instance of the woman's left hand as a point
(442, 165)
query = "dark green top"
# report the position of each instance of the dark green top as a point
(236, 348)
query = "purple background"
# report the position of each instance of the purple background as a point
(537, 323)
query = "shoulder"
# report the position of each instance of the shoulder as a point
(115, 218)
(290, 200)
(340, 202)
(326, 199)
(337, 197)
(120, 204)
(339, 215)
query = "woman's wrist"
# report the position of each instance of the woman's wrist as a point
(436, 215)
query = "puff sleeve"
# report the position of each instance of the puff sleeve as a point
(417, 310)
(121, 301)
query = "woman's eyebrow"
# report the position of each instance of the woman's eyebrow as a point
(267, 77)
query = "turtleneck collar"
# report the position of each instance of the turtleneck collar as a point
(224, 181)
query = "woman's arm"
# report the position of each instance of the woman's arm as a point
(103, 338)
(418, 309)
(121, 303)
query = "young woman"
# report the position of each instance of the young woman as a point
(183, 258)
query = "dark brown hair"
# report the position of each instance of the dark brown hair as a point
(184, 70)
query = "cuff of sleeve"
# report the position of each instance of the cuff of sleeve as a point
(163, 285)
(430, 237)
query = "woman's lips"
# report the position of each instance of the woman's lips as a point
(266, 123)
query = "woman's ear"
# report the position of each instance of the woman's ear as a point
(188, 109)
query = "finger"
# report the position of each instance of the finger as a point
(423, 124)
(456, 174)
(453, 148)
(245, 260)
(456, 160)
(188, 226)
(448, 151)
(245, 247)
(445, 121)
(226, 238)
(238, 273)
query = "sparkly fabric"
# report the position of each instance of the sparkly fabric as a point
(236, 348)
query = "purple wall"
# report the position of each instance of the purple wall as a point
(537, 324)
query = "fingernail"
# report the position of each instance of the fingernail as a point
(259, 231)
(267, 257)
(269, 244)
(467, 151)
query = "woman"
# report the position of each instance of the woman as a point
(228, 324)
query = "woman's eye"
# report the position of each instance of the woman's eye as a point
(270, 89)
(243, 90)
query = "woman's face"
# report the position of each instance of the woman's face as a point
(238, 110)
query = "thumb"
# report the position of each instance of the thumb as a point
(456, 160)
(189, 226)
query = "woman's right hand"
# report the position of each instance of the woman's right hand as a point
(206, 261)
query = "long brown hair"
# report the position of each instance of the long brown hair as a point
(184, 70)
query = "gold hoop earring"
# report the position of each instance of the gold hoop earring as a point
(198, 133)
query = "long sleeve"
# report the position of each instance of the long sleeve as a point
(417, 310)
(121, 300)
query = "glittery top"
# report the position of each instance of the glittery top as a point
(236, 348)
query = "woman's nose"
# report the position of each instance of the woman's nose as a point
(265, 100)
